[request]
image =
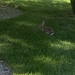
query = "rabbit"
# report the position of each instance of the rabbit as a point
(47, 30)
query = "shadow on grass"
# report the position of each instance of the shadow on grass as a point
(46, 7)
(28, 50)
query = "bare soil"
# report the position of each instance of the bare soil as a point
(7, 12)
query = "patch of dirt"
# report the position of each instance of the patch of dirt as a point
(7, 12)
(5, 69)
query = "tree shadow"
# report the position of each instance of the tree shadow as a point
(51, 7)
(28, 50)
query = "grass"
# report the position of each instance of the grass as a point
(29, 51)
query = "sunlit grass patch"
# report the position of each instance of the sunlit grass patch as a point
(64, 45)
(10, 40)
(51, 61)
(59, 65)
(25, 23)
(68, 1)
(29, 50)
(4, 47)
(45, 60)
(37, 73)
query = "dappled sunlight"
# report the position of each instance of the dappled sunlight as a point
(4, 47)
(3, 44)
(41, 7)
(36, 73)
(68, 1)
(64, 45)
(36, 1)
(18, 65)
(29, 50)
(51, 61)
(17, 41)
(57, 1)
(46, 60)
(24, 23)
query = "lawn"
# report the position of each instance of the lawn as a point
(31, 52)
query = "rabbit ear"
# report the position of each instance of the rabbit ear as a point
(43, 23)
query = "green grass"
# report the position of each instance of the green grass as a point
(29, 51)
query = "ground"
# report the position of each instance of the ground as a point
(29, 51)
(7, 12)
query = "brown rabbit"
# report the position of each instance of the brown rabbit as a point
(47, 30)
